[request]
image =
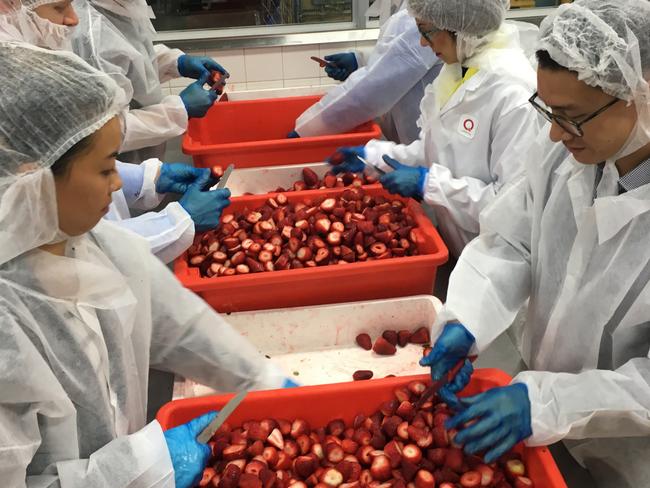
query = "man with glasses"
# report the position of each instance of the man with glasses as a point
(570, 239)
(475, 119)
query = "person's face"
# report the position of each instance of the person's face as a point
(60, 13)
(604, 135)
(441, 42)
(83, 191)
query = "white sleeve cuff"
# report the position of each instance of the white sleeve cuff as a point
(149, 198)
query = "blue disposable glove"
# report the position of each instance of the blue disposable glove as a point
(350, 157)
(189, 456)
(289, 383)
(448, 392)
(344, 65)
(453, 344)
(198, 100)
(406, 181)
(293, 135)
(198, 66)
(502, 418)
(204, 207)
(177, 177)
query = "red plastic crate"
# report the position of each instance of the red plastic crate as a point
(387, 278)
(320, 404)
(253, 133)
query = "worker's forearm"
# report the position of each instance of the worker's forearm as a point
(410, 155)
(572, 406)
(153, 125)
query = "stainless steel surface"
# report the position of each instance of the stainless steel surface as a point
(295, 35)
(221, 417)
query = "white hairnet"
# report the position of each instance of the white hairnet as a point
(135, 9)
(474, 17)
(32, 4)
(49, 101)
(472, 20)
(607, 43)
(19, 22)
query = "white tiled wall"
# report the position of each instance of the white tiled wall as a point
(271, 68)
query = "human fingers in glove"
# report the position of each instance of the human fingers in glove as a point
(342, 65)
(197, 99)
(346, 159)
(448, 392)
(204, 206)
(198, 66)
(189, 456)
(178, 177)
(407, 181)
(498, 419)
(452, 345)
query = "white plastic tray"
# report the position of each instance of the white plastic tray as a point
(267, 179)
(318, 343)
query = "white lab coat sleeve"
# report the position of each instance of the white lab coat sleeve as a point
(153, 125)
(191, 339)
(569, 406)
(167, 60)
(492, 279)
(139, 183)
(169, 232)
(33, 396)
(408, 154)
(465, 197)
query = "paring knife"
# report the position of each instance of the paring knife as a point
(223, 415)
(224, 179)
(436, 385)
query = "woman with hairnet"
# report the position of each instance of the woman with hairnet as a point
(474, 121)
(85, 308)
(570, 238)
(170, 231)
(116, 36)
(389, 87)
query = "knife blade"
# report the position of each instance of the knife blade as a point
(224, 179)
(436, 385)
(223, 415)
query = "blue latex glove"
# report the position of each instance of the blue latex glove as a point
(189, 456)
(502, 418)
(198, 100)
(204, 207)
(177, 177)
(453, 344)
(293, 135)
(289, 383)
(448, 392)
(198, 66)
(406, 181)
(351, 161)
(344, 65)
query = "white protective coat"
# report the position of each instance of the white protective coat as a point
(389, 87)
(78, 335)
(585, 265)
(122, 49)
(169, 231)
(472, 138)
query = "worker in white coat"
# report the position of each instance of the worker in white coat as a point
(116, 37)
(570, 239)
(169, 231)
(389, 87)
(85, 308)
(475, 118)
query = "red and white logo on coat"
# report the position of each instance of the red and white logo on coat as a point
(467, 126)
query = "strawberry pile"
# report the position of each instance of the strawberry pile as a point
(399, 446)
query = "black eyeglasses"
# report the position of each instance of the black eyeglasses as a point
(568, 125)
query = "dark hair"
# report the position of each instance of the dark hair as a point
(62, 165)
(545, 61)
